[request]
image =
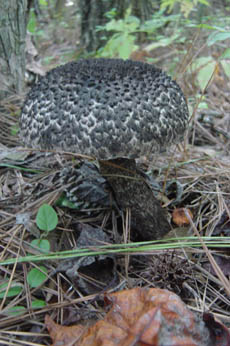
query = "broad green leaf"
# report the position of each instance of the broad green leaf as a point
(36, 277)
(42, 244)
(14, 290)
(202, 61)
(38, 303)
(46, 218)
(226, 66)
(205, 66)
(16, 310)
(218, 36)
(226, 55)
(205, 74)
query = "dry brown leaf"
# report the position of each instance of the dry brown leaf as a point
(139, 316)
(64, 335)
(179, 216)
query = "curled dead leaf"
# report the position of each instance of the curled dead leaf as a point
(179, 216)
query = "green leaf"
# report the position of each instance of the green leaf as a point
(164, 42)
(203, 105)
(218, 36)
(200, 62)
(16, 310)
(132, 23)
(36, 277)
(205, 66)
(204, 2)
(46, 218)
(226, 54)
(43, 2)
(14, 290)
(14, 130)
(63, 201)
(226, 66)
(31, 26)
(126, 46)
(205, 74)
(42, 244)
(38, 303)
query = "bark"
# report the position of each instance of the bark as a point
(131, 190)
(12, 46)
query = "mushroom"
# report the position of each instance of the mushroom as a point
(115, 111)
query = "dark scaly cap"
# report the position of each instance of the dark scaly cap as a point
(106, 108)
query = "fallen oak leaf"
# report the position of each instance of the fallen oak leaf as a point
(138, 316)
(63, 333)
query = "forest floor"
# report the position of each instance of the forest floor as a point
(200, 164)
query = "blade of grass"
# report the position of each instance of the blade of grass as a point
(132, 248)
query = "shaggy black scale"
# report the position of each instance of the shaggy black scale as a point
(106, 108)
(85, 186)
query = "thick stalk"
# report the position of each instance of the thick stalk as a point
(132, 191)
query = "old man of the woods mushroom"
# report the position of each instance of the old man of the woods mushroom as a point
(115, 111)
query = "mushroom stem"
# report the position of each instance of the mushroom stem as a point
(132, 191)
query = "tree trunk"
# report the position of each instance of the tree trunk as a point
(12, 46)
(93, 15)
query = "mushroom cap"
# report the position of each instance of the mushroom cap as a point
(106, 108)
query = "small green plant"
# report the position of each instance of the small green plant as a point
(206, 66)
(221, 34)
(122, 42)
(32, 22)
(186, 6)
(46, 221)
